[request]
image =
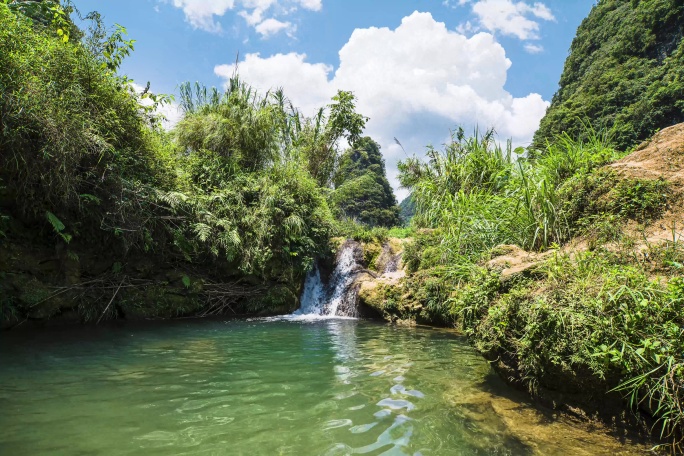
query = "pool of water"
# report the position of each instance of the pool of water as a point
(270, 387)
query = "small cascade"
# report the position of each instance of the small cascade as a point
(388, 262)
(337, 298)
(312, 294)
(393, 262)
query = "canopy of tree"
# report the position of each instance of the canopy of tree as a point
(624, 74)
(362, 191)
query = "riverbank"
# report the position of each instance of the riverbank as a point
(592, 327)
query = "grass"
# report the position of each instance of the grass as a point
(591, 323)
(483, 194)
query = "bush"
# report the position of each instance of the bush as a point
(74, 137)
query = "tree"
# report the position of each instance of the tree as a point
(322, 145)
(362, 191)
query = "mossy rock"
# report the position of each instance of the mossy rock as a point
(159, 302)
(279, 299)
(372, 294)
(371, 251)
(37, 299)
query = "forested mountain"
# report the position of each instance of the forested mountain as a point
(624, 74)
(407, 209)
(362, 191)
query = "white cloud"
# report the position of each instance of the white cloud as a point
(273, 26)
(307, 84)
(202, 14)
(454, 3)
(518, 19)
(415, 83)
(534, 48)
(313, 5)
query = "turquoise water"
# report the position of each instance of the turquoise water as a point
(330, 387)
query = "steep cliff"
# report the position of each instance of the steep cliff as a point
(624, 74)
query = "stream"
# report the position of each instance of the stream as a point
(268, 386)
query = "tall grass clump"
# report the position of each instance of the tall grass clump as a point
(483, 194)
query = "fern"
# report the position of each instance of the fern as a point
(203, 231)
(58, 226)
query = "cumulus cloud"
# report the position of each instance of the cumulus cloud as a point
(272, 26)
(415, 83)
(202, 14)
(518, 19)
(305, 83)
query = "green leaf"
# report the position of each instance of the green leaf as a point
(186, 281)
(55, 222)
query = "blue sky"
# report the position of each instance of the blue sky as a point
(418, 67)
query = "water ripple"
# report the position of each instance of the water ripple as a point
(333, 387)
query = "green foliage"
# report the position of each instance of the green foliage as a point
(240, 188)
(481, 196)
(236, 126)
(362, 191)
(641, 200)
(344, 121)
(58, 226)
(47, 15)
(588, 324)
(319, 137)
(598, 320)
(69, 130)
(246, 190)
(597, 203)
(270, 224)
(625, 73)
(400, 232)
(351, 229)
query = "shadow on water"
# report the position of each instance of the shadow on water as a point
(545, 427)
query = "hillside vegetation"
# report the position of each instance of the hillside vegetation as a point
(103, 214)
(362, 191)
(625, 73)
(565, 270)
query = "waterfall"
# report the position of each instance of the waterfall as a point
(338, 297)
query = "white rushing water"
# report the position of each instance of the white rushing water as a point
(337, 299)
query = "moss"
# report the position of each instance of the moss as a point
(158, 301)
(33, 293)
(371, 252)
